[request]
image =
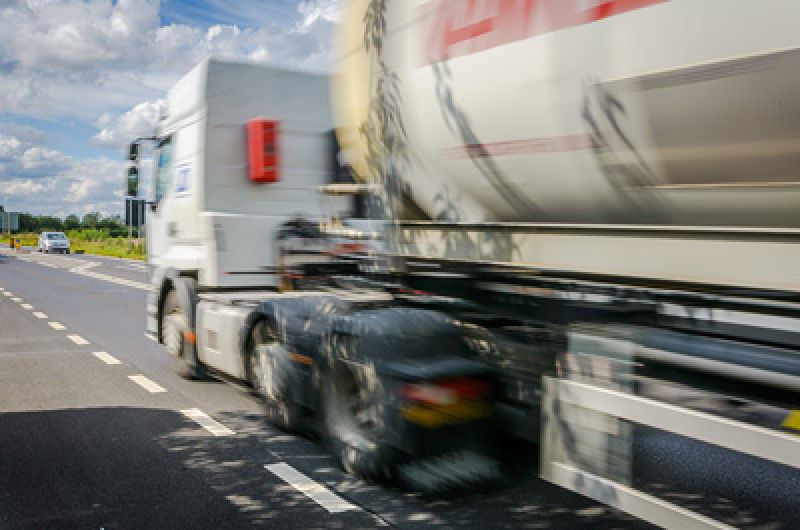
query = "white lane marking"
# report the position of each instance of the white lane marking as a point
(85, 265)
(106, 358)
(114, 279)
(77, 339)
(207, 422)
(8, 293)
(311, 489)
(16, 299)
(57, 325)
(83, 270)
(39, 314)
(133, 267)
(147, 384)
(29, 307)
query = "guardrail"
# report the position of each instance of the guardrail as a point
(588, 414)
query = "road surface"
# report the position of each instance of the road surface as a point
(96, 431)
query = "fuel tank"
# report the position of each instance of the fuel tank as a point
(673, 112)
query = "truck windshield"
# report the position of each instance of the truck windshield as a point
(163, 168)
(56, 236)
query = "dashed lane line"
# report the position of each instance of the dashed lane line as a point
(16, 299)
(207, 422)
(8, 293)
(39, 314)
(310, 488)
(29, 307)
(147, 384)
(77, 339)
(57, 326)
(106, 358)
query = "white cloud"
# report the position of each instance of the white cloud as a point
(316, 10)
(108, 64)
(80, 58)
(20, 132)
(39, 179)
(141, 120)
(27, 187)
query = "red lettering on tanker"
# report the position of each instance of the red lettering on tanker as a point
(453, 28)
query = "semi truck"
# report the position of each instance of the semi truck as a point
(393, 257)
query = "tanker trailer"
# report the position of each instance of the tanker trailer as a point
(638, 138)
(622, 171)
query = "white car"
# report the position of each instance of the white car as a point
(53, 242)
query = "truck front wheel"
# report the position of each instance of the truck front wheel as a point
(175, 326)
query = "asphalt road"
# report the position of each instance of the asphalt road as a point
(96, 431)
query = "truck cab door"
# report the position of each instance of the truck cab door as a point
(157, 223)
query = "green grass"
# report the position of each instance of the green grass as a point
(117, 247)
(93, 242)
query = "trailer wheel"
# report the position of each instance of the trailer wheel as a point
(269, 372)
(355, 421)
(175, 324)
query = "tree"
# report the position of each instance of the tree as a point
(28, 223)
(72, 222)
(48, 222)
(90, 220)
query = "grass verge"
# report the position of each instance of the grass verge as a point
(98, 245)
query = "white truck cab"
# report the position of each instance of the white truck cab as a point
(209, 219)
(215, 221)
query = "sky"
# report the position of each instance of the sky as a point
(80, 78)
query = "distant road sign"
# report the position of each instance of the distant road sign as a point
(7, 218)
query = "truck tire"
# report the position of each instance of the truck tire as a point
(269, 372)
(354, 423)
(175, 323)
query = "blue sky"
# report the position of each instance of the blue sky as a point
(245, 14)
(80, 78)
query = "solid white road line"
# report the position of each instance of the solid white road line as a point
(106, 358)
(311, 489)
(16, 299)
(57, 325)
(83, 270)
(39, 314)
(77, 339)
(29, 307)
(207, 422)
(147, 384)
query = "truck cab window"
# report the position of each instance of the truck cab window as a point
(164, 168)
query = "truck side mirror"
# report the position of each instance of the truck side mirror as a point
(133, 152)
(133, 181)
